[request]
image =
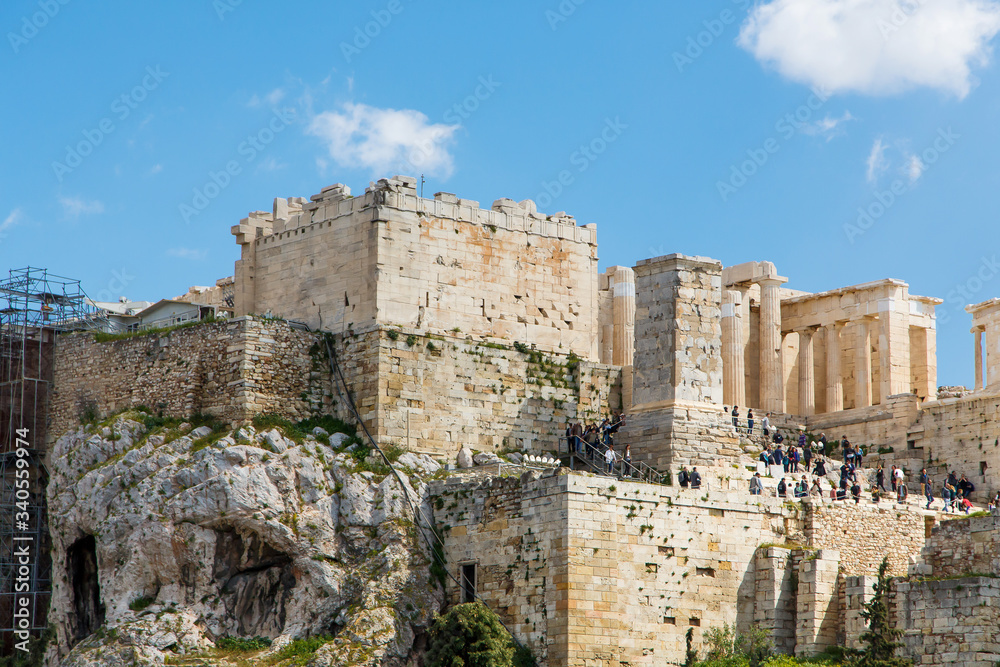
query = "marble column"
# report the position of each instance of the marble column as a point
(834, 374)
(623, 314)
(978, 332)
(733, 367)
(807, 374)
(862, 364)
(772, 394)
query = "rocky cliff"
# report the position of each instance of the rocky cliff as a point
(166, 538)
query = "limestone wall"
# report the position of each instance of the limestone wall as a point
(951, 622)
(440, 264)
(232, 369)
(864, 534)
(448, 391)
(962, 546)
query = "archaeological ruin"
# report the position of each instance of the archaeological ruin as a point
(469, 338)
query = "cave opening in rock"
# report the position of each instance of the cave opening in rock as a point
(87, 610)
(255, 581)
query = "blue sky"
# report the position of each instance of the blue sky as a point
(720, 128)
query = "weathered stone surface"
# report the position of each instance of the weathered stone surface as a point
(252, 535)
(485, 459)
(465, 458)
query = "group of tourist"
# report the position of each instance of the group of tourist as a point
(596, 443)
(956, 490)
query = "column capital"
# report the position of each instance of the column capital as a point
(770, 281)
(978, 329)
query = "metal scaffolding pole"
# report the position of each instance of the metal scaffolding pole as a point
(34, 307)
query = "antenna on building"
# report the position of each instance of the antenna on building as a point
(421, 186)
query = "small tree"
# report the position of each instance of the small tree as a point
(880, 637)
(470, 635)
(692, 655)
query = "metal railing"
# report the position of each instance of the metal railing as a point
(593, 456)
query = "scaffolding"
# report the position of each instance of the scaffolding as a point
(34, 307)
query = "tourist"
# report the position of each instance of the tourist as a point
(807, 454)
(765, 424)
(765, 456)
(684, 478)
(802, 439)
(880, 477)
(695, 478)
(778, 438)
(856, 492)
(820, 470)
(995, 504)
(965, 487)
(859, 456)
(795, 458)
(901, 492)
(947, 495)
(817, 488)
(802, 488)
(756, 486)
(749, 421)
(875, 496)
(965, 504)
(782, 489)
(822, 443)
(929, 492)
(777, 456)
(924, 481)
(842, 489)
(736, 418)
(627, 465)
(610, 457)
(899, 477)
(892, 478)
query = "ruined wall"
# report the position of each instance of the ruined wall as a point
(439, 393)
(393, 258)
(962, 546)
(232, 369)
(864, 534)
(951, 622)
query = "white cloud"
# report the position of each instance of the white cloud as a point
(271, 99)
(384, 140)
(74, 207)
(8, 222)
(157, 168)
(914, 168)
(829, 126)
(877, 162)
(875, 47)
(187, 253)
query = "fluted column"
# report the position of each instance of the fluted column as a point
(733, 379)
(978, 332)
(862, 364)
(807, 374)
(834, 376)
(623, 313)
(772, 394)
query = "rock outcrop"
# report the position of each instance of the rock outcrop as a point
(163, 543)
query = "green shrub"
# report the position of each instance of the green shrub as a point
(303, 649)
(470, 635)
(245, 644)
(139, 604)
